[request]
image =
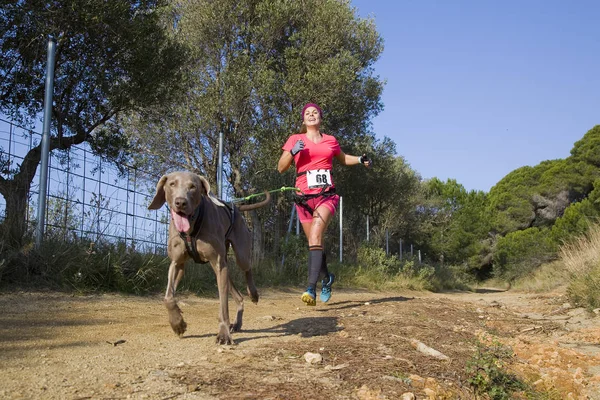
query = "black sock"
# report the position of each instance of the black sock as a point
(324, 270)
(315, 259)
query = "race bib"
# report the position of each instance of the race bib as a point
(317, 178)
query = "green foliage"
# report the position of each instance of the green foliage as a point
(488, 375)
(253, 65)
(112, 57)
(373, 258)
(452, 222)
(376, 270)
(537, 196)
(578, 217)
(520, 252)
(85, 267)
(387, 192)
(509, 199)
(293, 271)
(587, 149)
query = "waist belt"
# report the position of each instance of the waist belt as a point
(302, 199)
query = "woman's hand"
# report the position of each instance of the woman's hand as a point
(366, 161)
(298, 147)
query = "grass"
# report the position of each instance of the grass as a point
(83, 266)
(581, 259)
(546, 278)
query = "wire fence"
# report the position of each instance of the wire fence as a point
(87, 199)
(91, 200)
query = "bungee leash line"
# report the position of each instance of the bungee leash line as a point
(280, 190)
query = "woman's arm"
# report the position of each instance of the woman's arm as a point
(347, 159)
(284, 161)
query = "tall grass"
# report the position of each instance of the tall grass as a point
(83, 266)
(87, 267)
(545, 278)
(376, 270)
(581, 259)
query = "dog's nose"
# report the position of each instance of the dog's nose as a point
(180, 202)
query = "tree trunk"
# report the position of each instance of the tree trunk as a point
(258, 251)
(14, 226)
(15, 192)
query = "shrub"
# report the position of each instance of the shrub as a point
(488, 372)
(372, 258)
(518, 253)
(581, 259)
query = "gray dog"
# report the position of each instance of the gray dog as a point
(202, 227)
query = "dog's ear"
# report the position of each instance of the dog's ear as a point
(205, 183)
(159, 197)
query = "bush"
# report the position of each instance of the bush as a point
(373, 259)
(518, 253)
(376, 270)
(581, 259)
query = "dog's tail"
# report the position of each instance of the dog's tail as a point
(248, 207)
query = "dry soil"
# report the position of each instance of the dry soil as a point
(65, 346)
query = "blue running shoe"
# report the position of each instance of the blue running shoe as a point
(326, 289)
(309, 297)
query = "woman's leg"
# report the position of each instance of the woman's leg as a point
(314, 232)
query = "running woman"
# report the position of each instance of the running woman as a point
(312, 152)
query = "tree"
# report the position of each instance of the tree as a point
(255, 64)
(112, 56)
(588, 148)
(386, 193)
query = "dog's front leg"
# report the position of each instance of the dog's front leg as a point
(222, 272)
(175, 318)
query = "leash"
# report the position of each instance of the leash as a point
(280, 190)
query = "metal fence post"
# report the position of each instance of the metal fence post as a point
(66, 223)
(83, 194)
(289, 230)
(45, 145)
(220, 168)
(400, 250)
(387, 242)
(127, 205)
(99, 201)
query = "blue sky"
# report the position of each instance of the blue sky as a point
(476, 89)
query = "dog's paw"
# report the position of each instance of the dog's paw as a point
(235, 327)
(223, 337)
(253, 294)
(179, 326)
(176, 320)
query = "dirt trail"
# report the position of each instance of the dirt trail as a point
(59, 346)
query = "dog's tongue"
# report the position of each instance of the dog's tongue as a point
(182, 223)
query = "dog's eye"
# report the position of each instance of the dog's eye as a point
(172, 183)
(192, 187)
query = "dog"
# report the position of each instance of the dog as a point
(202, 227)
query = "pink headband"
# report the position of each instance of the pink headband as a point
(311, 105)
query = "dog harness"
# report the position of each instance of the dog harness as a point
(190, 238)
